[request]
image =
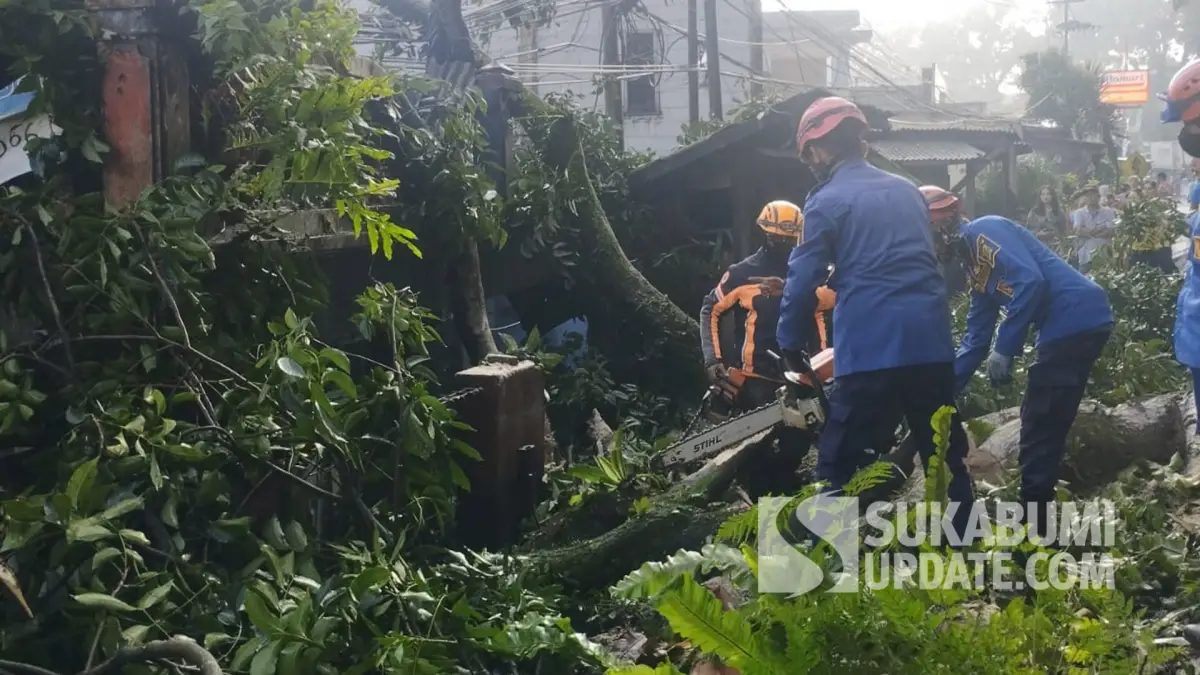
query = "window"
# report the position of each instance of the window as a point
(641, 93)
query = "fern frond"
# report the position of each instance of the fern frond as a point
(740, 528)
(697, 615)
(652, 578)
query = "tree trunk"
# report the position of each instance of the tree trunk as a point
(645, 336)
(1103, 442)
(681, 518)
(470, 304)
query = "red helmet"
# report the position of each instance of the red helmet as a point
(823, 116)
(1183, 95)
(943, 205)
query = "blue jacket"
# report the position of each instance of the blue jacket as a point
(1011, 270)
(892, 308)
(1187, 309)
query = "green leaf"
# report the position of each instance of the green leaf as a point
(264, 661)
(343, 382)
(104, 555)
(460, 479)
(156, 477)
(135, 536)
(368, 580)
(136, 425)
(260, 614)
(102, 601)
(188, 453)
(337, 358)
(242, 657)
(121, 508)
(135, 635)
(156, 595)
(289, 367)
(87, 530)
(81, 480)
(289, 318)
(213, 639)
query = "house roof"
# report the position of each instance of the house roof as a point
(773, 129)
(968, 124)
(904, 151)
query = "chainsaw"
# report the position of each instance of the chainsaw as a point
(799, 403)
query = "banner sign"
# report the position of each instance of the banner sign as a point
(1126, 88)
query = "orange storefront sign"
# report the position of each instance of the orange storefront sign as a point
(1125, 87)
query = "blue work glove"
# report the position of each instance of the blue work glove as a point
(999, 368)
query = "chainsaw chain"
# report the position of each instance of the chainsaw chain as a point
(687, 434)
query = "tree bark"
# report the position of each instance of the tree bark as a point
(645, 336)
(681, 518)
(470, 304)
(1103, 442)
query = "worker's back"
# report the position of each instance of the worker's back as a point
(1070, 303)
(892, 308)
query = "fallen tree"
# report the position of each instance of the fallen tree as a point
(647, 337)
(1104, 441)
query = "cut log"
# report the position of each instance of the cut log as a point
(647, 338)
(683, 517)
(599, 434)
(1103, 442)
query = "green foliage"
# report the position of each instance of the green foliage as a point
(906, 629)
(182, 453)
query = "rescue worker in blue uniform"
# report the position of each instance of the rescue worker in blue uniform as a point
(1010, 270)
(891, 324)
(1183, 105)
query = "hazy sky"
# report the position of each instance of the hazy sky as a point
(887, 14)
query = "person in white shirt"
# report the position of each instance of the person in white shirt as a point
(1093, 225)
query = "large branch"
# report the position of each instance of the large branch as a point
(180, 648)
(644, 334)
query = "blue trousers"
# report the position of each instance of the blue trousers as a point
(866, 408)
(1057, 380)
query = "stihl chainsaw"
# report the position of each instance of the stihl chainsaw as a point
(800, 403)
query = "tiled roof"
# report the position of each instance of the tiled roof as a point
(911, 151)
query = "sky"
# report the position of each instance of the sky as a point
(890, 14)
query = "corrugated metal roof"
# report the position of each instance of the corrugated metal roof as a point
(963, 124)
(911, 151)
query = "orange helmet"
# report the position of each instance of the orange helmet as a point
(1183, 95)
(823, 116)
(782, 219)
(943, 205)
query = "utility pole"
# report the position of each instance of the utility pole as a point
(693, 45)
(613, 103)
(1068, 25)
(712, 52)
(756, 48)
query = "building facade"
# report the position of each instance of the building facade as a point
(791, 51)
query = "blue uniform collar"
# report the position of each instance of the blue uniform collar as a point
(845, 163)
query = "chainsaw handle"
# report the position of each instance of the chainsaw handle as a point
(806, 369)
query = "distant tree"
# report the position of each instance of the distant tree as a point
(976, 52)
(1068, 93)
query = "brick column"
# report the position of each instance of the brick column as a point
(145, 98)
(508, 415)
